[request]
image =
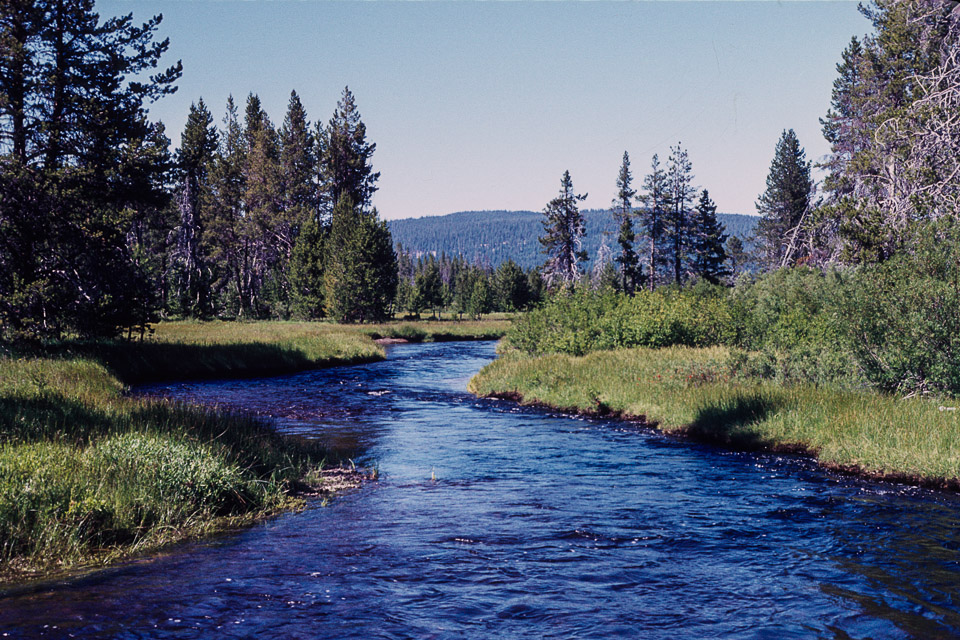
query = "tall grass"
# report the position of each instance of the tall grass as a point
(87, 473)
(698, 392)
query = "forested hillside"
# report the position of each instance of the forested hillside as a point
(492, 237)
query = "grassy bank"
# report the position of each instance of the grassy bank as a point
(89, 474)
(699, 393)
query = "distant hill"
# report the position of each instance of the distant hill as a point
(492, 237)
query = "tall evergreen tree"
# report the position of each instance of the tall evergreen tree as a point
(682, 193)
(306, 269)
(72, 90)
(631, 276)
(895, 139)
(360, 269)
(195, 159)
(225, 245)
(707, 242)
(782, 207)
(563, 237)
(656, 203)
(428, 287)
(259, 228)
(298, 163)
(739, 257)
(344, 155)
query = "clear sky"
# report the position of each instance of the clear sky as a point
(483, 105)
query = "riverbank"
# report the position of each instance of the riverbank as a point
(695, 393)
(89, 474)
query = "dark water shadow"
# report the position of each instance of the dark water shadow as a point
(730, 424)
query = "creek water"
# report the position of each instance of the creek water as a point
(491, 520)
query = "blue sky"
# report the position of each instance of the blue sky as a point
(483, 105)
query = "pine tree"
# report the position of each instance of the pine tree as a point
(481, 296)
(195, 159)
(428, 287)
(511, 290)
(563, 236)
(656, 203)
(682, 192)
(631, 276)
(780, 232)
(262, 201)
(707, 242)
(72, 94)
(223, 241)
(344, 154)
(360, 266)
(739, 257)
(298, 164)
(895, 139)
(306, 269)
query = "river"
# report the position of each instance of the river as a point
(496, 521)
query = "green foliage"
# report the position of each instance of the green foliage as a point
(631, 275)
(901, 317)
(344, 155)
(562, 237)
(306, 270)
(511, 287)
(80, 165)
(707, 243)
(784, 203)
(360, 266)
(584, 321)
(656, 202)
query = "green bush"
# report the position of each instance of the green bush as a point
(902, 318)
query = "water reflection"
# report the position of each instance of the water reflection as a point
(494, 520)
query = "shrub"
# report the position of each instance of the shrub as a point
(902, 318)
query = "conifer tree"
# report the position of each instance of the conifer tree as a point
(511, 290)
(360, 269)
(739, 257)
(224, 242)
(631, 276)
(682, 193)
(428, 287)
(894, 135)
(707, 242)
(780, 232)
(481, 297)
(195, 159)
(297, 161)
(72, 94)
(306, 269)
(656, 202)
(563, 237)
(262, 201)
(344, 154)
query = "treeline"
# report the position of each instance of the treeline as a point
(680, 241)
(275, 222)
(433, 285)
(103, 229)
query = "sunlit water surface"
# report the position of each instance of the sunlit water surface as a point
(494, 521)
